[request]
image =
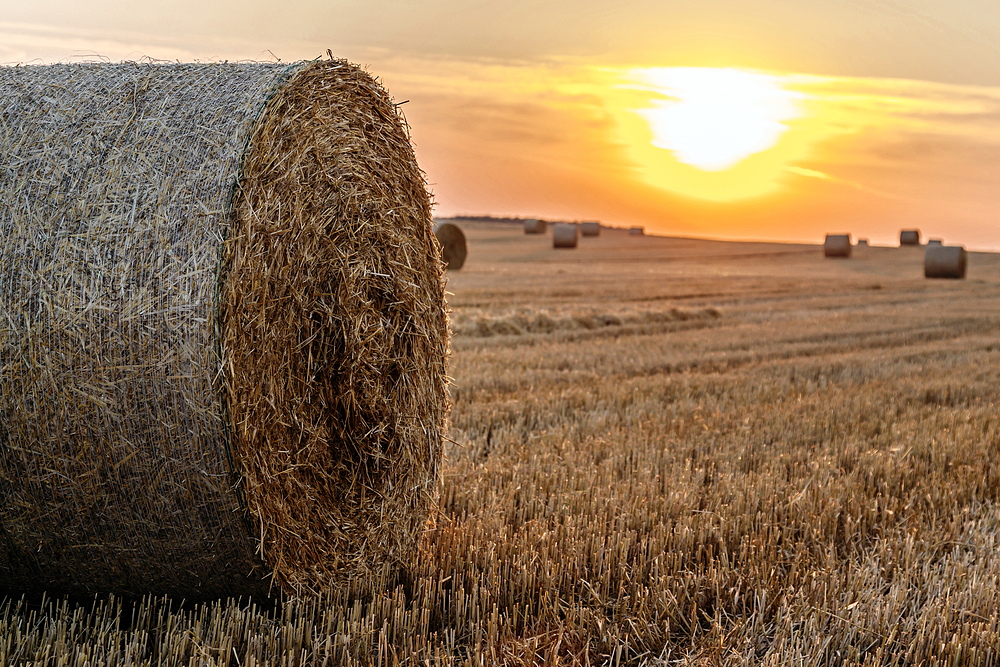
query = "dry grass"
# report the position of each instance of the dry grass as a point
(807, 477)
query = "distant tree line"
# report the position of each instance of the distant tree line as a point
(486, 218)
(496, 218)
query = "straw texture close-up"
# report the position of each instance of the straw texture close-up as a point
(223, 331)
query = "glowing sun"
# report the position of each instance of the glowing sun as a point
(714, 118)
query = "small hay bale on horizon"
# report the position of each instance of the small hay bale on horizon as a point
(837, 245)
(534, 226)
(945, 262)
(590, 228)
(454, 248)
(934, 242)
(565, 235)
(224, 346)
(909, 237)
(637, 231)
(862, 243)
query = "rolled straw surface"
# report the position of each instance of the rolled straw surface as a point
(565, 235)
(837, 245)
(534, 226)
(909, 237)
(590, 229)
(945, 261)
(223, 330)
(453, 246)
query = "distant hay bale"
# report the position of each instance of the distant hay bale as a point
(636, 231)
(909, 237)
(223, 333)
(590, 229)
(837, 245)
(934, 242)
(862, 243)
(453, 246)
(565, 235)
(534, 226)
(945, 261)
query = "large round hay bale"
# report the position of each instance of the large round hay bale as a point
(837, 245)
(909, 237)
(565, 235)
(590, 229)
(223, 334)
(945, 261)
(454, 249)
(534, 226)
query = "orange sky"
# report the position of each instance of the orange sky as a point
(866, 115)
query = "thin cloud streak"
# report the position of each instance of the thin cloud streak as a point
(813, 173)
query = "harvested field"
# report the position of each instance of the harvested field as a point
(750, 457)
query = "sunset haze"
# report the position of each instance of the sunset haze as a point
(723, 119)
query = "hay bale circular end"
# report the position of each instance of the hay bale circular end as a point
(534, 226)
(565, 235)
(590, 229)
(909, 237)
(945, 262)
(226, 375)
(454, 249)
(837, 245)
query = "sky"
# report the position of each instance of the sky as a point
(742, 119)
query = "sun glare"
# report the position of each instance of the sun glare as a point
(711, 133)
(714, 118)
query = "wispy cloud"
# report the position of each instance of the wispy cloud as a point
(813, 173)
(46, 43)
